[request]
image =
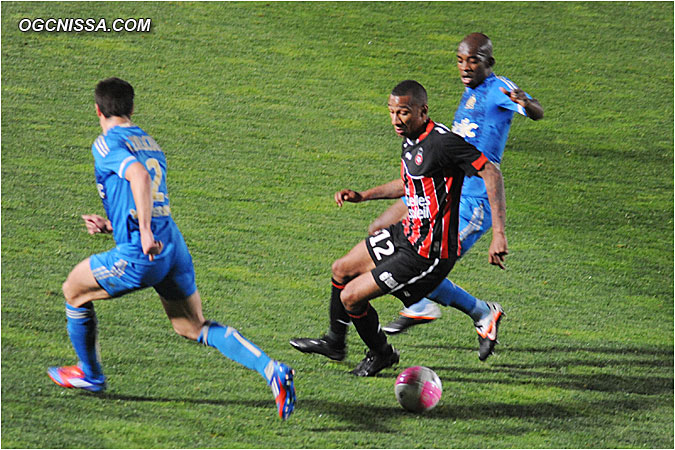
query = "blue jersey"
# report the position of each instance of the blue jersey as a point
(114, 151)
(483, 119)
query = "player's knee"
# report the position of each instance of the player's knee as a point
(70, 293)
(350, 299)
(342, 270)
(74, 293)
(65, 288)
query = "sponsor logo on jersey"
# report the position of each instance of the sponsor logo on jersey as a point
(408, 156)
(418, 207)
(464, 128)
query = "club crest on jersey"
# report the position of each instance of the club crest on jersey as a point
(419, 158)
(471, 102)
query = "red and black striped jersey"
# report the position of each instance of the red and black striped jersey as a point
(433, 169)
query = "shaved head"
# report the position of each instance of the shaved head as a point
(474, 59)
(477, 44)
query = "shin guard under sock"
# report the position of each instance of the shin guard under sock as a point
(367, 324)
(339, 319)
(449, 294)
(236, 347)
(83, 333)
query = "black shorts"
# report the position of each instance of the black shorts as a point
(400, 270)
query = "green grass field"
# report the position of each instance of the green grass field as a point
(264, 111)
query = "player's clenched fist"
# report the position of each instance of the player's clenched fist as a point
(347, 195)
(498, 250)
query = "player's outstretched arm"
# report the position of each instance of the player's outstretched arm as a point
(97, 224)
(494, 184)
(140, 182)
(532, 106)
(393, 189)
(393, 214)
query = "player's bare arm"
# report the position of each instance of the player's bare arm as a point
(395, 213)
(532, 106)
(393, 189)
(140, 182)
(494, 184)
(97, 224)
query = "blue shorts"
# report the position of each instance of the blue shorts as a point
(172, 275)
(475, 219)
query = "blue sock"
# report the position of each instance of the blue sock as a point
(420, 306)
(449, 294)
(236, 347)
(83, 335)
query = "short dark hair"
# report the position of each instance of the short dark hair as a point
(413, 89)
(114, 97)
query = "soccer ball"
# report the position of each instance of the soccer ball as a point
(418, 389)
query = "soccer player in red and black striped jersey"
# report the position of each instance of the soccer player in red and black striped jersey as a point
(483, 118)
(410, 258)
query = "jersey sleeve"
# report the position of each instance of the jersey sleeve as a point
(503, 100)
(111, 155)
(460, 153)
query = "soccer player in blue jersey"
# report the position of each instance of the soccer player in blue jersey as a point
(131, 173)
(483, 119)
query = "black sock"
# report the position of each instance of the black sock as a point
(367, 324)
(339, 320)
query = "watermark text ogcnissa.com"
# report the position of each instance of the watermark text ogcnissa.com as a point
(89, 25)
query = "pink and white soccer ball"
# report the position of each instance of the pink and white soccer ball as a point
(418, 389)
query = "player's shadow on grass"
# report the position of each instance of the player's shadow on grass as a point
(550, 367)
(650, 368)
(194, 401)
(667, 353)
(547, 413)
(601, 382)
(354, 416)
(360, 416)
(377, 419)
